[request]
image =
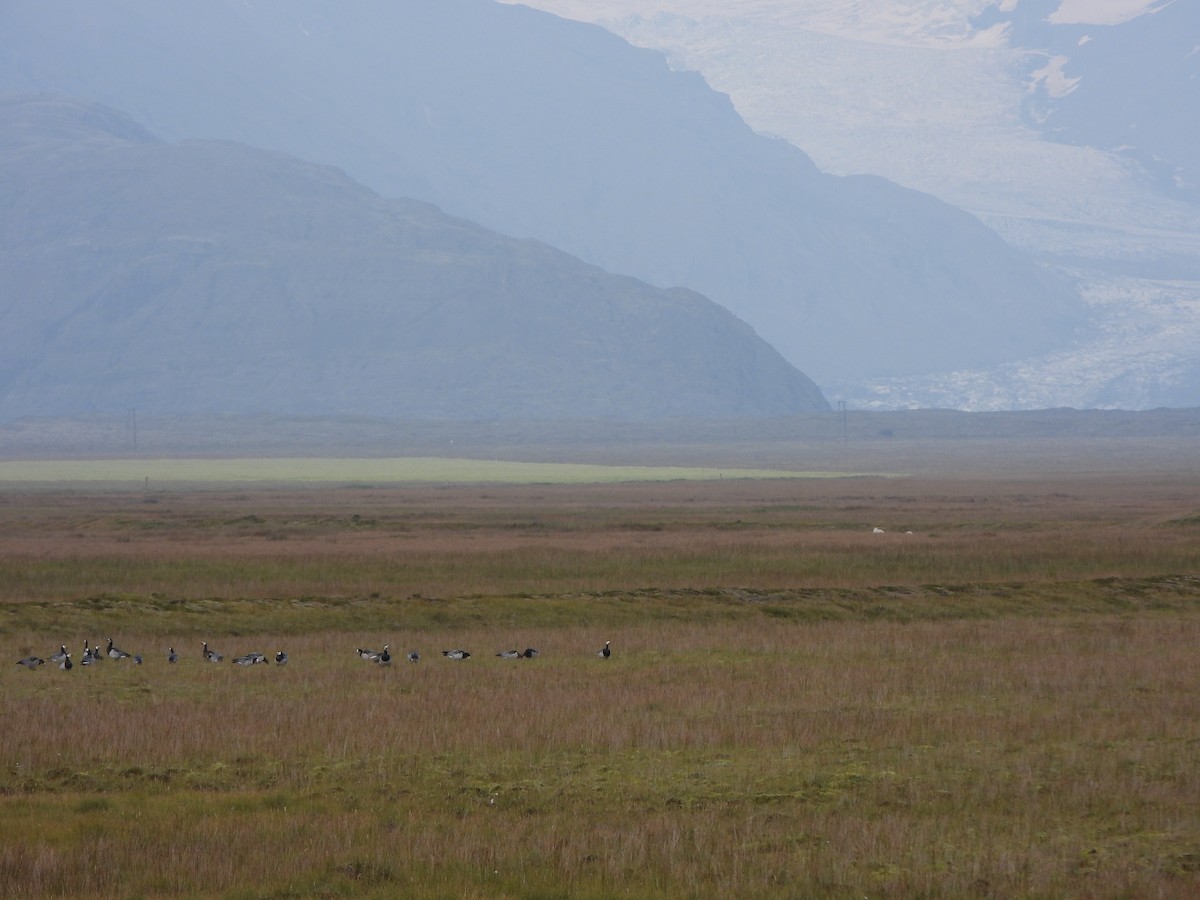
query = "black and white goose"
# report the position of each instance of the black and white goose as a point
(281, 658)
(251, 659)
(172, 656)
(529, 653)
(509, 654)
(115, 652)
(211, 655)
(90, 656)
(606, 651)
(60, 655)
(385, 657)
(368, 655)
(65, 663)
(456, 654)
(414, 656)
(31, 662)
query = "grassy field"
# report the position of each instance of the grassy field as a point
(996, 695)
(293, 470)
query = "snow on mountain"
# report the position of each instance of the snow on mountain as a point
(1101, 12)
(1061, 123)
(1141, 355)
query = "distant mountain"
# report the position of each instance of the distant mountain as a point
(544, 128)
(1068, 126)
(211, 277)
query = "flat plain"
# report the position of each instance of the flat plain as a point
(977, 676)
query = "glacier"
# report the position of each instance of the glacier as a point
(962, 99)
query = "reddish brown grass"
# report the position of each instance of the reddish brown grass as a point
(1002, 704)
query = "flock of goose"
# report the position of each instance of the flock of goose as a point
(93, 654)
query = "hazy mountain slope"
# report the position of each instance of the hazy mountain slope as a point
(545, 128)
(213, 277)
(1066, 127)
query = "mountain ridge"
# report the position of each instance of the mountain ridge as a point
(537, 127)
(210, 276)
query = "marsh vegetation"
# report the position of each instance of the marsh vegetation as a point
(1002, 703)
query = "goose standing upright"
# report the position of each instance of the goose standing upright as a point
(60, 655)
(606, 651)
(172, 656)
(385, 658)
(281, 658)
(211, 655)
(65, 664)
(115, 652)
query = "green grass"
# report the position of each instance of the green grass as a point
(182, 617)
(360, 470)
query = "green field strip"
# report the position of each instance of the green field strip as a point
(370, 470)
